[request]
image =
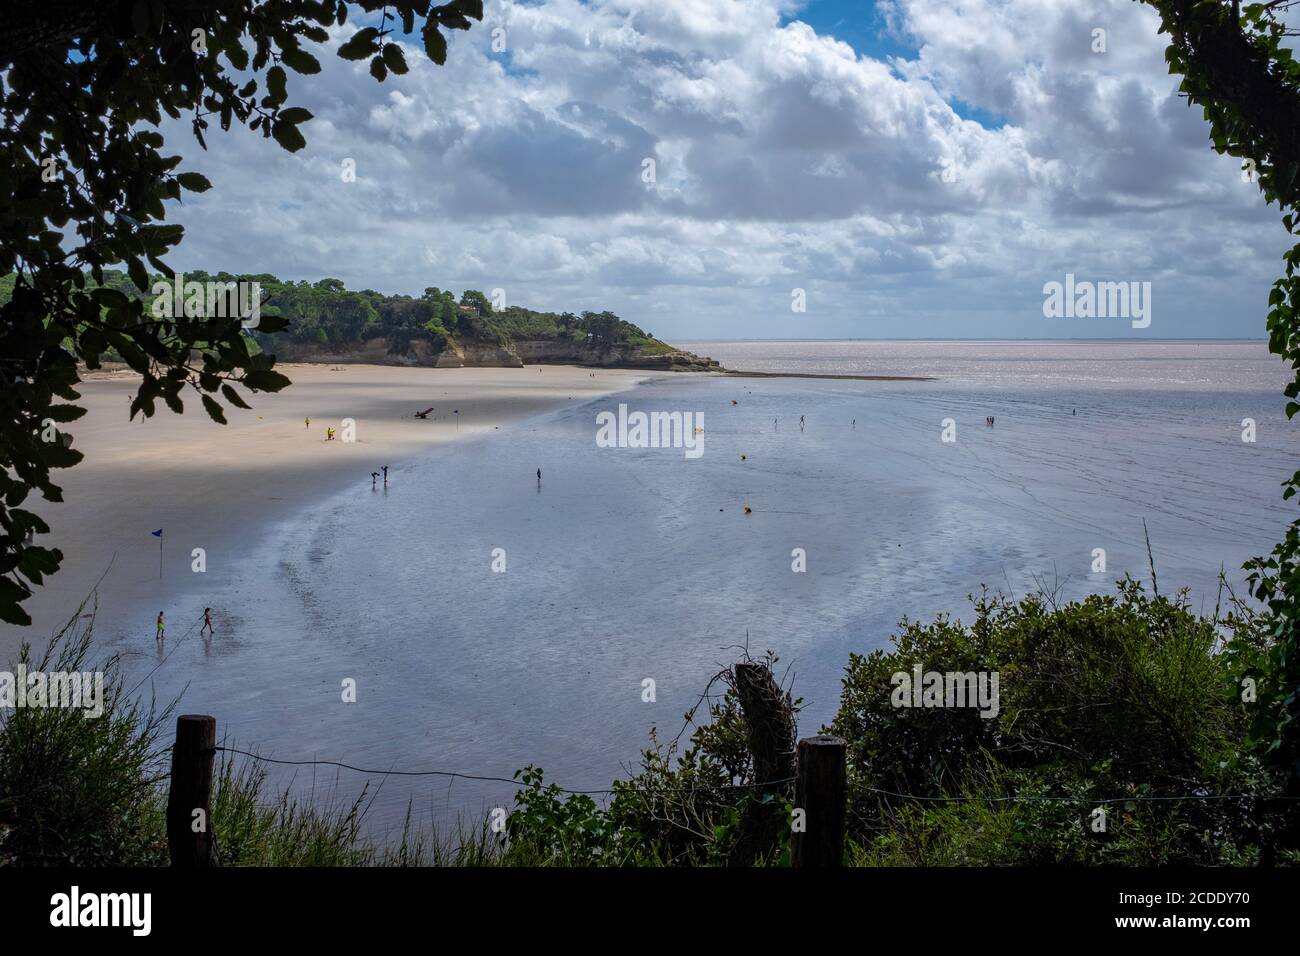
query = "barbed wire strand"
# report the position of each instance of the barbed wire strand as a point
(494, 779)
(487, 778)
(1136, 798)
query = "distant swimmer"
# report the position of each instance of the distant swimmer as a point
(207, 622)
(855, 423)
(160, 625)
(989, 421)
(1074, 411)
(424, 414)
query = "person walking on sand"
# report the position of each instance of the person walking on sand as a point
(207, 623)
(306, 423)
(160, 625)
(329, 434)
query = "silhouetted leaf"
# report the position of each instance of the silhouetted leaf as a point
(213, 409)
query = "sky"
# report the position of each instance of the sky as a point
(902, 169)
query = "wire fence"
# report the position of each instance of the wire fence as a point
(514, 781)
(766, 785)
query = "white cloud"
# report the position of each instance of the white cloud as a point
(782, 157)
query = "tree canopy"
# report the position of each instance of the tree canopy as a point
(326, 313)
(84, 185)
(1237, 69)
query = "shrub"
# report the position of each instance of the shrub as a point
(76, 791)
(1124, 696)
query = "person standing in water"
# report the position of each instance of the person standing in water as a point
(207, 622)
(385, 474)
(160, 625)
(800, 423)
(539, 476)
(374, 476)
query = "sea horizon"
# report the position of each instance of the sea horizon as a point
(1128, 340)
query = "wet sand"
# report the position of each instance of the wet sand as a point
(217, 487)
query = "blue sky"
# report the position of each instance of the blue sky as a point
(859, 24)
(865, 28)
(909, 168)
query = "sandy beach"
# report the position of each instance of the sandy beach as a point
(215, 487)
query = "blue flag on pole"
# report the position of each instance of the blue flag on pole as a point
(157, 534)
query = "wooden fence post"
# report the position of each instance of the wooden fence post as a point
(770, 735)
(191, 790)
(821, 792)
(769, 723)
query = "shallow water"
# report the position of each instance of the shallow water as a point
(1015, 365)
(627, 564)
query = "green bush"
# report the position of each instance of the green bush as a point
(76, 791)
(1118, 697)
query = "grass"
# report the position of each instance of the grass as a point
(1129, 695)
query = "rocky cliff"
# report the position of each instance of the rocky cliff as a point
(511, 355)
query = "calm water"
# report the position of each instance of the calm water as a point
(1012, 365)
(630, 564)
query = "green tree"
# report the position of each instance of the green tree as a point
(602, 326)
(1236, 68)
(477, 301)
(84, 185)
